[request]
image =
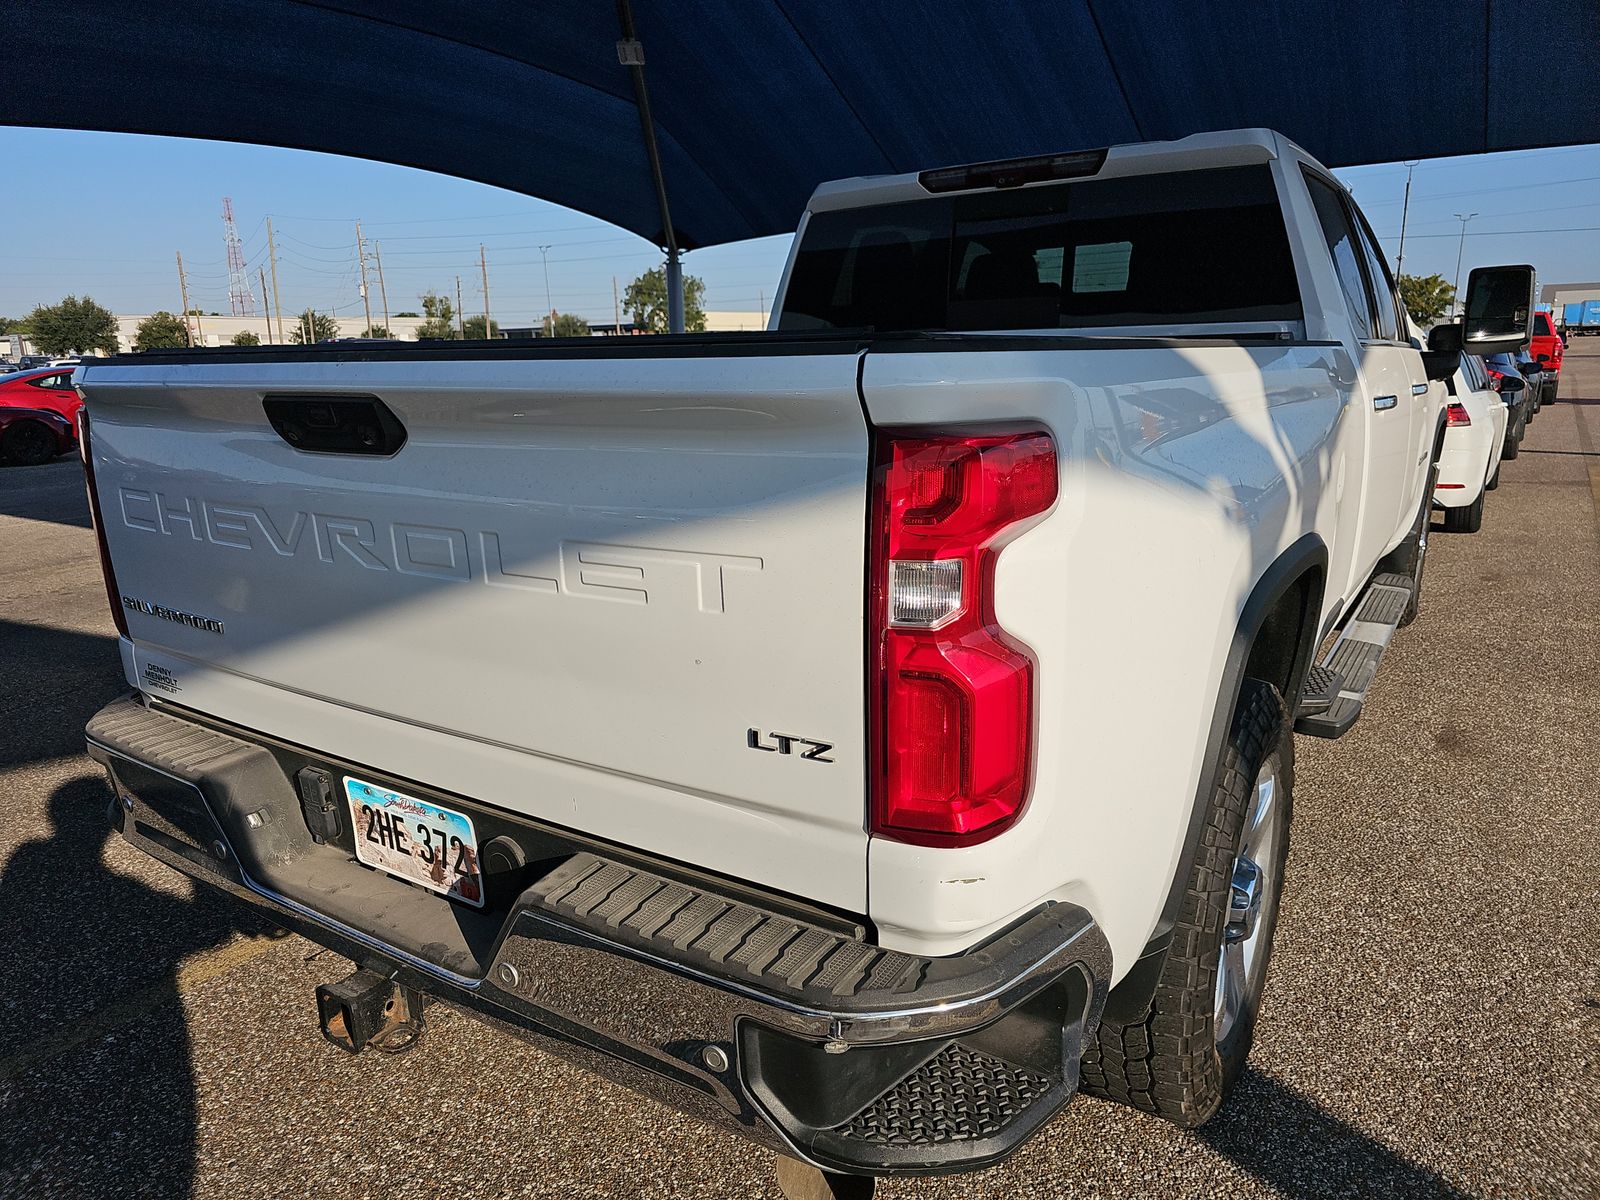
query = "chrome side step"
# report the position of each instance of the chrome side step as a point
(1353, 660)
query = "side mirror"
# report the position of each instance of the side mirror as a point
(1511, 384)
(1499, 309)
(1442, 358)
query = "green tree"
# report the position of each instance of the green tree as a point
(646, 302)
(439, 314)
(407, 313)
(10, 325)
(473, 328)
(377, 331)
(245, 338)
(567, 325)
(1426, 297)
(160, 331)
(322, 326)
(72, 327)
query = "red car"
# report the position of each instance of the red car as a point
(48, 388)
(30, 436)
(1546, 341)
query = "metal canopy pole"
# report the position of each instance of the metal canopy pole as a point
(631, 55)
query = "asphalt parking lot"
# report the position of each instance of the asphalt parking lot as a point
(1432, 1023)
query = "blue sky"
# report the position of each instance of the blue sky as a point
(104, 214)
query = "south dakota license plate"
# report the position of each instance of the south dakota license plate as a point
(416, 840)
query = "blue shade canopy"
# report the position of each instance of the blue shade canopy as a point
(758, 101)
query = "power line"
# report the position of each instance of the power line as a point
(1485, 191)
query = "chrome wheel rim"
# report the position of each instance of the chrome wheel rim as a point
(1251, 892)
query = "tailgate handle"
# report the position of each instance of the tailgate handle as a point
(336, 424)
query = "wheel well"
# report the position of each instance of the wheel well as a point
(1277, 648)
(27, 423)
(1285, 641)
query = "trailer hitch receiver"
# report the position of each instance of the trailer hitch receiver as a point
(365, 1009)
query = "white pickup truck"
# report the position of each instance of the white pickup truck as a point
(862, 734)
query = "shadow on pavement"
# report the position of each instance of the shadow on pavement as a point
(53, 492)
(97, 1095)
(1300, 1149)
(51, 682)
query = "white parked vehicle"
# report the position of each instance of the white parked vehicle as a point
(804, 725)
(1475, 434)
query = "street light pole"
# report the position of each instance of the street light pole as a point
(1460, 247)
(544, 253)
(1405, 210)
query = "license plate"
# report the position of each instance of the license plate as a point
(416, 840)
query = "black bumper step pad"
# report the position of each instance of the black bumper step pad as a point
(1321, 689)
(1354, 658)
(733, 939)
(178, 747)
(959, 1095)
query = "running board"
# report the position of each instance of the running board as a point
(1353, 661)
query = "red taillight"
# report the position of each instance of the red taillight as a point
(1456, 414)
(113, 596)
(952, 692)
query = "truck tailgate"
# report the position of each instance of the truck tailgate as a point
(574, 592)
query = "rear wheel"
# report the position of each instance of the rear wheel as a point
(1179, 1055)
(28, 444)
(1411, 556)
(1465, 520)
(1513, 444)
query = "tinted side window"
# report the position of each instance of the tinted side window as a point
(1189, 248)
(1346, 253)
(1389, 323)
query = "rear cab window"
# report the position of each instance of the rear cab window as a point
(1195, 248)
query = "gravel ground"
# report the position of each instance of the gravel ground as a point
(1433, 1013)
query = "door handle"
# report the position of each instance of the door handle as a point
(1384, 402)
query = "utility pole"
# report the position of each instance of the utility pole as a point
(361, 257)
(383, 292)
(544, 253)
(461, 316)
(265, 315)
(272, 257)
(308, 322)
(483, 261)
(1460, 247)
(183, 290)
(616, 308)
(1405, 208)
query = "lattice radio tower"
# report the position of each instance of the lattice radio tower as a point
(240, 298)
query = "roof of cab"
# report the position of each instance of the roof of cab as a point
(1228, 148)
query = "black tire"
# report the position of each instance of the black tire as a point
(1494, 480)
(1168, 1059)
(28, 444)
(1465, 520)
(1513, 443)
(1410, 557)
